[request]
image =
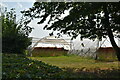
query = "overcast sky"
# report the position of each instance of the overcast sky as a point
(38, 29)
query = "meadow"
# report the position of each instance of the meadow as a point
(77, 66)
(15, 66)
(74, 61)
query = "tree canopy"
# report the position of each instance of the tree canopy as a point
(90, 20)
(14, 39)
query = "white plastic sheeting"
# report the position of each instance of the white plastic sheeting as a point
(51, 41)
(87, 47)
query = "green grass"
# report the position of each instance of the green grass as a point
(79, 67)
(19, 66)
(76, 62)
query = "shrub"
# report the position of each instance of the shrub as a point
(18, 66)
(14, 39)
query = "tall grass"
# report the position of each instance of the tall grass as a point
(48, 53)
(107, 56)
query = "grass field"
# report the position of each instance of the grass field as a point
(76, 62)
(76, 66)
(53, 68)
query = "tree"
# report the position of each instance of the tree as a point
(14, 39)
(90, 20)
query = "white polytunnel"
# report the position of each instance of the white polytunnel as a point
(51, 41)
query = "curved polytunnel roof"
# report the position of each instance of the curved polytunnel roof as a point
(53, 41)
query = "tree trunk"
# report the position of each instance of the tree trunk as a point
(115, 47)
(109, 31)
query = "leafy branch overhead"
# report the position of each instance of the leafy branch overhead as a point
(90, 20)
(87, 19)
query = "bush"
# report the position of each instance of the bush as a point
(14, 39)
(18, 66)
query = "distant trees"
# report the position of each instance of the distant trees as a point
(14, 38)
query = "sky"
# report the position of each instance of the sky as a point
(38, 31)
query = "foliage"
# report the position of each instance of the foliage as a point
(90, 20)
(83, 18)
(18, 66)
(14, 39)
